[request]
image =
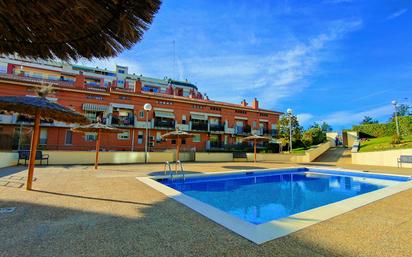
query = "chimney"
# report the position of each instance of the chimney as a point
(138, 86)
(79, 80)
(244, 103)
(255, 104)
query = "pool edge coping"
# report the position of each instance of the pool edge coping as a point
(271, 230)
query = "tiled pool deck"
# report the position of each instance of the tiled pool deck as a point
(76, 211)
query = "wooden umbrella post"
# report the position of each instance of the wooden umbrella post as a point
(97, 149)
(33, 149)
(177, 151)
(254, 149)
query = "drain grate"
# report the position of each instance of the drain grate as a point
(7, 210)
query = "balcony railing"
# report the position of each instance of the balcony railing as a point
(123, 121)
(217, 145)
(268, 132)
(165, 124)
(240, 130)
(217, 127)
(200, 126)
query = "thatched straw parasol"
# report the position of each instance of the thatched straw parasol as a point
(73, 29)
(99, 129)
(178, 135)
(255, 139)
(39, 107)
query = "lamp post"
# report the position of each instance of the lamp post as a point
(289, 111)
(147, 107)
(394, 103)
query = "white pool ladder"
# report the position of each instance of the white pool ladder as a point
(167, 165)
(178, 162)
(167, 168)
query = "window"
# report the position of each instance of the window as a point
(263, 115)
(69, 137)
(196, 138)
(140, 137)
(240, 111)
(121, 71)
(183, 141)
(141, 114)
(158, 137)
(90, 137)
(43, 136)
(123, 136)
(183, 119)
(254, 124)
(173, 141)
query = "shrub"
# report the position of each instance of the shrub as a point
(386, 129)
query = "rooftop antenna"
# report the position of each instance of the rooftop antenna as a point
(174, 58)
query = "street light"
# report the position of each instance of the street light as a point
(289, 111)
(147, 107)
(394, 103)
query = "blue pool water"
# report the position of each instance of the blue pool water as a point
(259, 197)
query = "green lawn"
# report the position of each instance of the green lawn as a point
(299, 150)
(384, 143)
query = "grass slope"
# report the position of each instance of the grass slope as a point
(384, 143)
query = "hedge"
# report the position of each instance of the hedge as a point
(386, 129)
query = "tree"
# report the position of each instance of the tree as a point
(316, 134)
(368, 120)
(402, 110)
(283, 128)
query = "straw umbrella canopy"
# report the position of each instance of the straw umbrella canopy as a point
(73, 29)
(39, 107)
(99, 129)
(178, 135)
(255, 139)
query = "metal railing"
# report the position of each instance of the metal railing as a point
(165, 124)
(200, 126)
(217, 127)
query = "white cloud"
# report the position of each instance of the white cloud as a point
(396, 14)
(304, 118)
(352, 117)
(287, 72)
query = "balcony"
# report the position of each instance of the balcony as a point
(268, 132)
(200, 126)
(123, 121)
(164, 123)
(217, 128)
(240, 130)
(216, 145)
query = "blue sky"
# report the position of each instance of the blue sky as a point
(329, 60)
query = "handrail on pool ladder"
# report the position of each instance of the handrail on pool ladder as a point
(167, 164)
(178, 162)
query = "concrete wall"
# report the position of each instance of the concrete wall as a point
(352, 136)
(8, 159)
(330, 136)
(82, 157)
(277, 157)
(381, 158)
(314, 153)
(213, 157)
(309, 155)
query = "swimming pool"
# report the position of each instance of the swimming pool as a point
(290, 199)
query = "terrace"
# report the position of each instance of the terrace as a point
(80, 212)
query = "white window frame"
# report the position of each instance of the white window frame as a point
(121, 136)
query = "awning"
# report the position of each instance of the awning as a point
(198, 117)
(95, 107)
(162, 114)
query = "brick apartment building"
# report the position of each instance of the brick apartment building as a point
(117, 98)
